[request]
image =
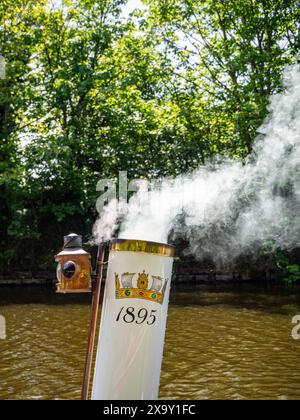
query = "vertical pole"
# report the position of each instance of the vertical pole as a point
(93, 323)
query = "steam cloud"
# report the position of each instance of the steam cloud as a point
(107, 224)
(228, 209)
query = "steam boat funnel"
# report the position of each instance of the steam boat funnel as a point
(133, 321)
(74, 267)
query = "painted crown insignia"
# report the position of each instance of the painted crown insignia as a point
(125, 289)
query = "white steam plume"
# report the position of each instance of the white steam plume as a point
(107, 224)
(226, 209)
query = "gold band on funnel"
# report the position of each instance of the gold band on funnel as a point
(133, 245)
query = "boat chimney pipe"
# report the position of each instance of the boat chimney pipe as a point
(133, 321)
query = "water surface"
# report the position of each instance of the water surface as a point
(232, 343)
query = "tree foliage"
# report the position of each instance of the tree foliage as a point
(88, 93)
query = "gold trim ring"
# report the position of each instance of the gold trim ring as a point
(133, 245)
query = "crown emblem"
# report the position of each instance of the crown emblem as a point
(125, 289)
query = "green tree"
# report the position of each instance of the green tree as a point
(89, 93)
(18, 34)
(231, 52)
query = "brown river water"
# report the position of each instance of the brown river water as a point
(232, 343)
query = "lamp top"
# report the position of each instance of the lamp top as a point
(72, 241)
(72, 245)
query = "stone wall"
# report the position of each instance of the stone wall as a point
(195, 273)
(182, 274)
(27, 278)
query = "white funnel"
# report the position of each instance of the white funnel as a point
(133, 321)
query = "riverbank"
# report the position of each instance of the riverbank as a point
(27, 278)
(182, 275)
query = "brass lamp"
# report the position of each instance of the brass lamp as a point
(74, 267)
